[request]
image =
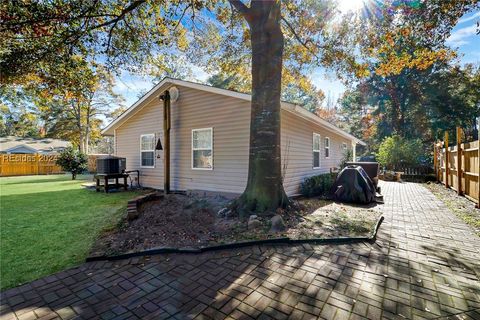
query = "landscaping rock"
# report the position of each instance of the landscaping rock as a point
(277, 224)
(224, 213)
(253, 222)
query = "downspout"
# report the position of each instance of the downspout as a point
(354, 151)
(165, 97)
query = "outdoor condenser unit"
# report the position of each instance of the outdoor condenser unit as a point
(111, 165)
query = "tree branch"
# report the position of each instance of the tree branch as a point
(302, 42)
(242, 8)
(299, 39)
(122, 14)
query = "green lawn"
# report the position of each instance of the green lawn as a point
(48, 223)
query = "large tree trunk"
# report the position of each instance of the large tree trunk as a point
(264, 191)
(87, 132)
(395, 105)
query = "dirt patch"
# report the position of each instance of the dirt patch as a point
(327, 219)
(190, 221)
(461, 206)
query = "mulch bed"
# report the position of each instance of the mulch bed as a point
(190, 221)
(461, 206)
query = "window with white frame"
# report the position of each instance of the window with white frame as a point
(344, 146)
(147, 150)
(327, 147)
(202, 149)
(316, 151)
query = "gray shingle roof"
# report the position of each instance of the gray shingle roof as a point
(39, 145)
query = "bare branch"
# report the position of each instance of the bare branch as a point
(181, 17)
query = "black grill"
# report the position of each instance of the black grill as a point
(111, 165)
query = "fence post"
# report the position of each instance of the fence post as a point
(478, 161)
(445, 143)
(459, 160)
(37, 160)
(435, 159)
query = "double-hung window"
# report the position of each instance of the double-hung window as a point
(327, 147)
(202, 149)
(147, 150)
(316, 151)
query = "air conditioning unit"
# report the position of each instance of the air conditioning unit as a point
(111, 165)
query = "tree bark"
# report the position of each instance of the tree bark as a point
(395, 105)
(87, 130)
(264, 191)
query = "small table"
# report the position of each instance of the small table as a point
(106, 176)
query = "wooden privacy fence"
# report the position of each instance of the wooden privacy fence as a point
(418, 170)
(458, 166)
(28, 164)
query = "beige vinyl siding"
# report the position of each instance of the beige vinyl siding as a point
(230, 119)
(297, 147)
(127, 140)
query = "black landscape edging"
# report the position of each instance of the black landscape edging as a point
(241, 244)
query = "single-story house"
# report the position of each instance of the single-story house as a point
(12, 144)
(210, 130)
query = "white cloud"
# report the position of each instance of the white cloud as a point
(460, 36)
(199, 74)
(466, 19)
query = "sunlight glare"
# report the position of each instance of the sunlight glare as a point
(350, 5)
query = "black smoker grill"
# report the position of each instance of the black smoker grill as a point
(111, 165)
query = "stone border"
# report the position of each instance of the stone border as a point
(241, 244)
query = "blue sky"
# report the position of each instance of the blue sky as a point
(463, 37)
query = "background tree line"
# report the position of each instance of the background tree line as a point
(414, 105)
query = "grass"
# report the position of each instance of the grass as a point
(49, 223)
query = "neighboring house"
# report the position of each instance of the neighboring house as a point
(11, 144)
(210, 130)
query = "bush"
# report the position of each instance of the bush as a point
(73, 161)
(395, 151)
(346, 157)
(317, 185)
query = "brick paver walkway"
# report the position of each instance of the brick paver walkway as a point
(424, 264)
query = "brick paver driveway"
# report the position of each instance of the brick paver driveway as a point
(424, 264)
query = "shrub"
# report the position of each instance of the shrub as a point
(317, 185)
(73, 161)
(395, 151)
(346, 157)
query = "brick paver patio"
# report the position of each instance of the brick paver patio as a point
(424, 264)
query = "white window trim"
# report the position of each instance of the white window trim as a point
(192, 149)
(319, 150)
(344, 146)
(147, 135)
(327, 138)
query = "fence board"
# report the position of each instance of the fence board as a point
(28, 164)
(470, 169)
